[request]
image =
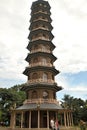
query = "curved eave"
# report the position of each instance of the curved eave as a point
(45, 11)
(42, 31)
(47, 86)
(44, 42)
(43, 106)
(42, 68)
(44, 54)
(41, 22)
(40, 14)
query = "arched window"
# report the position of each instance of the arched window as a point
(52, 77)
(35, 60)
(35, 47)
(44, 76)
(44, 61)
(44, 47)
(45, 94)
(34, 76)
(44, 35)
(34, 94)
(36, 25)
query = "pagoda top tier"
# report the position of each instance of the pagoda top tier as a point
(40, 2)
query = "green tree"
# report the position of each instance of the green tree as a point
(67, 101)
(78, 106)
(9, 97)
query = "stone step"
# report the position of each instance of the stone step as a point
(61, 128)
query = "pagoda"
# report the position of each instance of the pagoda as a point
(41, 103)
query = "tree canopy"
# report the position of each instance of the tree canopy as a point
(8, 98)
(77, 105)
(11, 96)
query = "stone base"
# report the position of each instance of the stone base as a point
(61, 128)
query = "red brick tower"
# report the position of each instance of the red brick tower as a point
(41, 103)
(41, 87)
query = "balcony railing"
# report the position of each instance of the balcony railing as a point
(40, 11)
(40, 50)
(40, 64)
(41, 100)
(40, 19)
(40, 38)
(39, 80)
(44, 28)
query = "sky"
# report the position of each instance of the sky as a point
(70, 38)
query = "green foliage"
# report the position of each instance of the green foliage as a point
(14, 95)
(78, 106)
(9, 97)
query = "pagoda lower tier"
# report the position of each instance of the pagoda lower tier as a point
(41, 85)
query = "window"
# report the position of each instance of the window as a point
(45, 5)
(44, 48)
(35, 47)
(35, 60)
(43, 25)
(34, 76)
(40, 4)
(45, 94)
(34, 94)
(44, 61)
(52, 77)
(36, 26)
(44, 35)
(44, 76)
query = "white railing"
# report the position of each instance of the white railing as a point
(40, 64)
(40, 28)
(40, 38)
(39, 80)
(40, 50)
(40, 11)
(40, 100)
(40, 19)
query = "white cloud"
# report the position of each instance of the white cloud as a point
(13, 38)
(70, 31)
(77, 90)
